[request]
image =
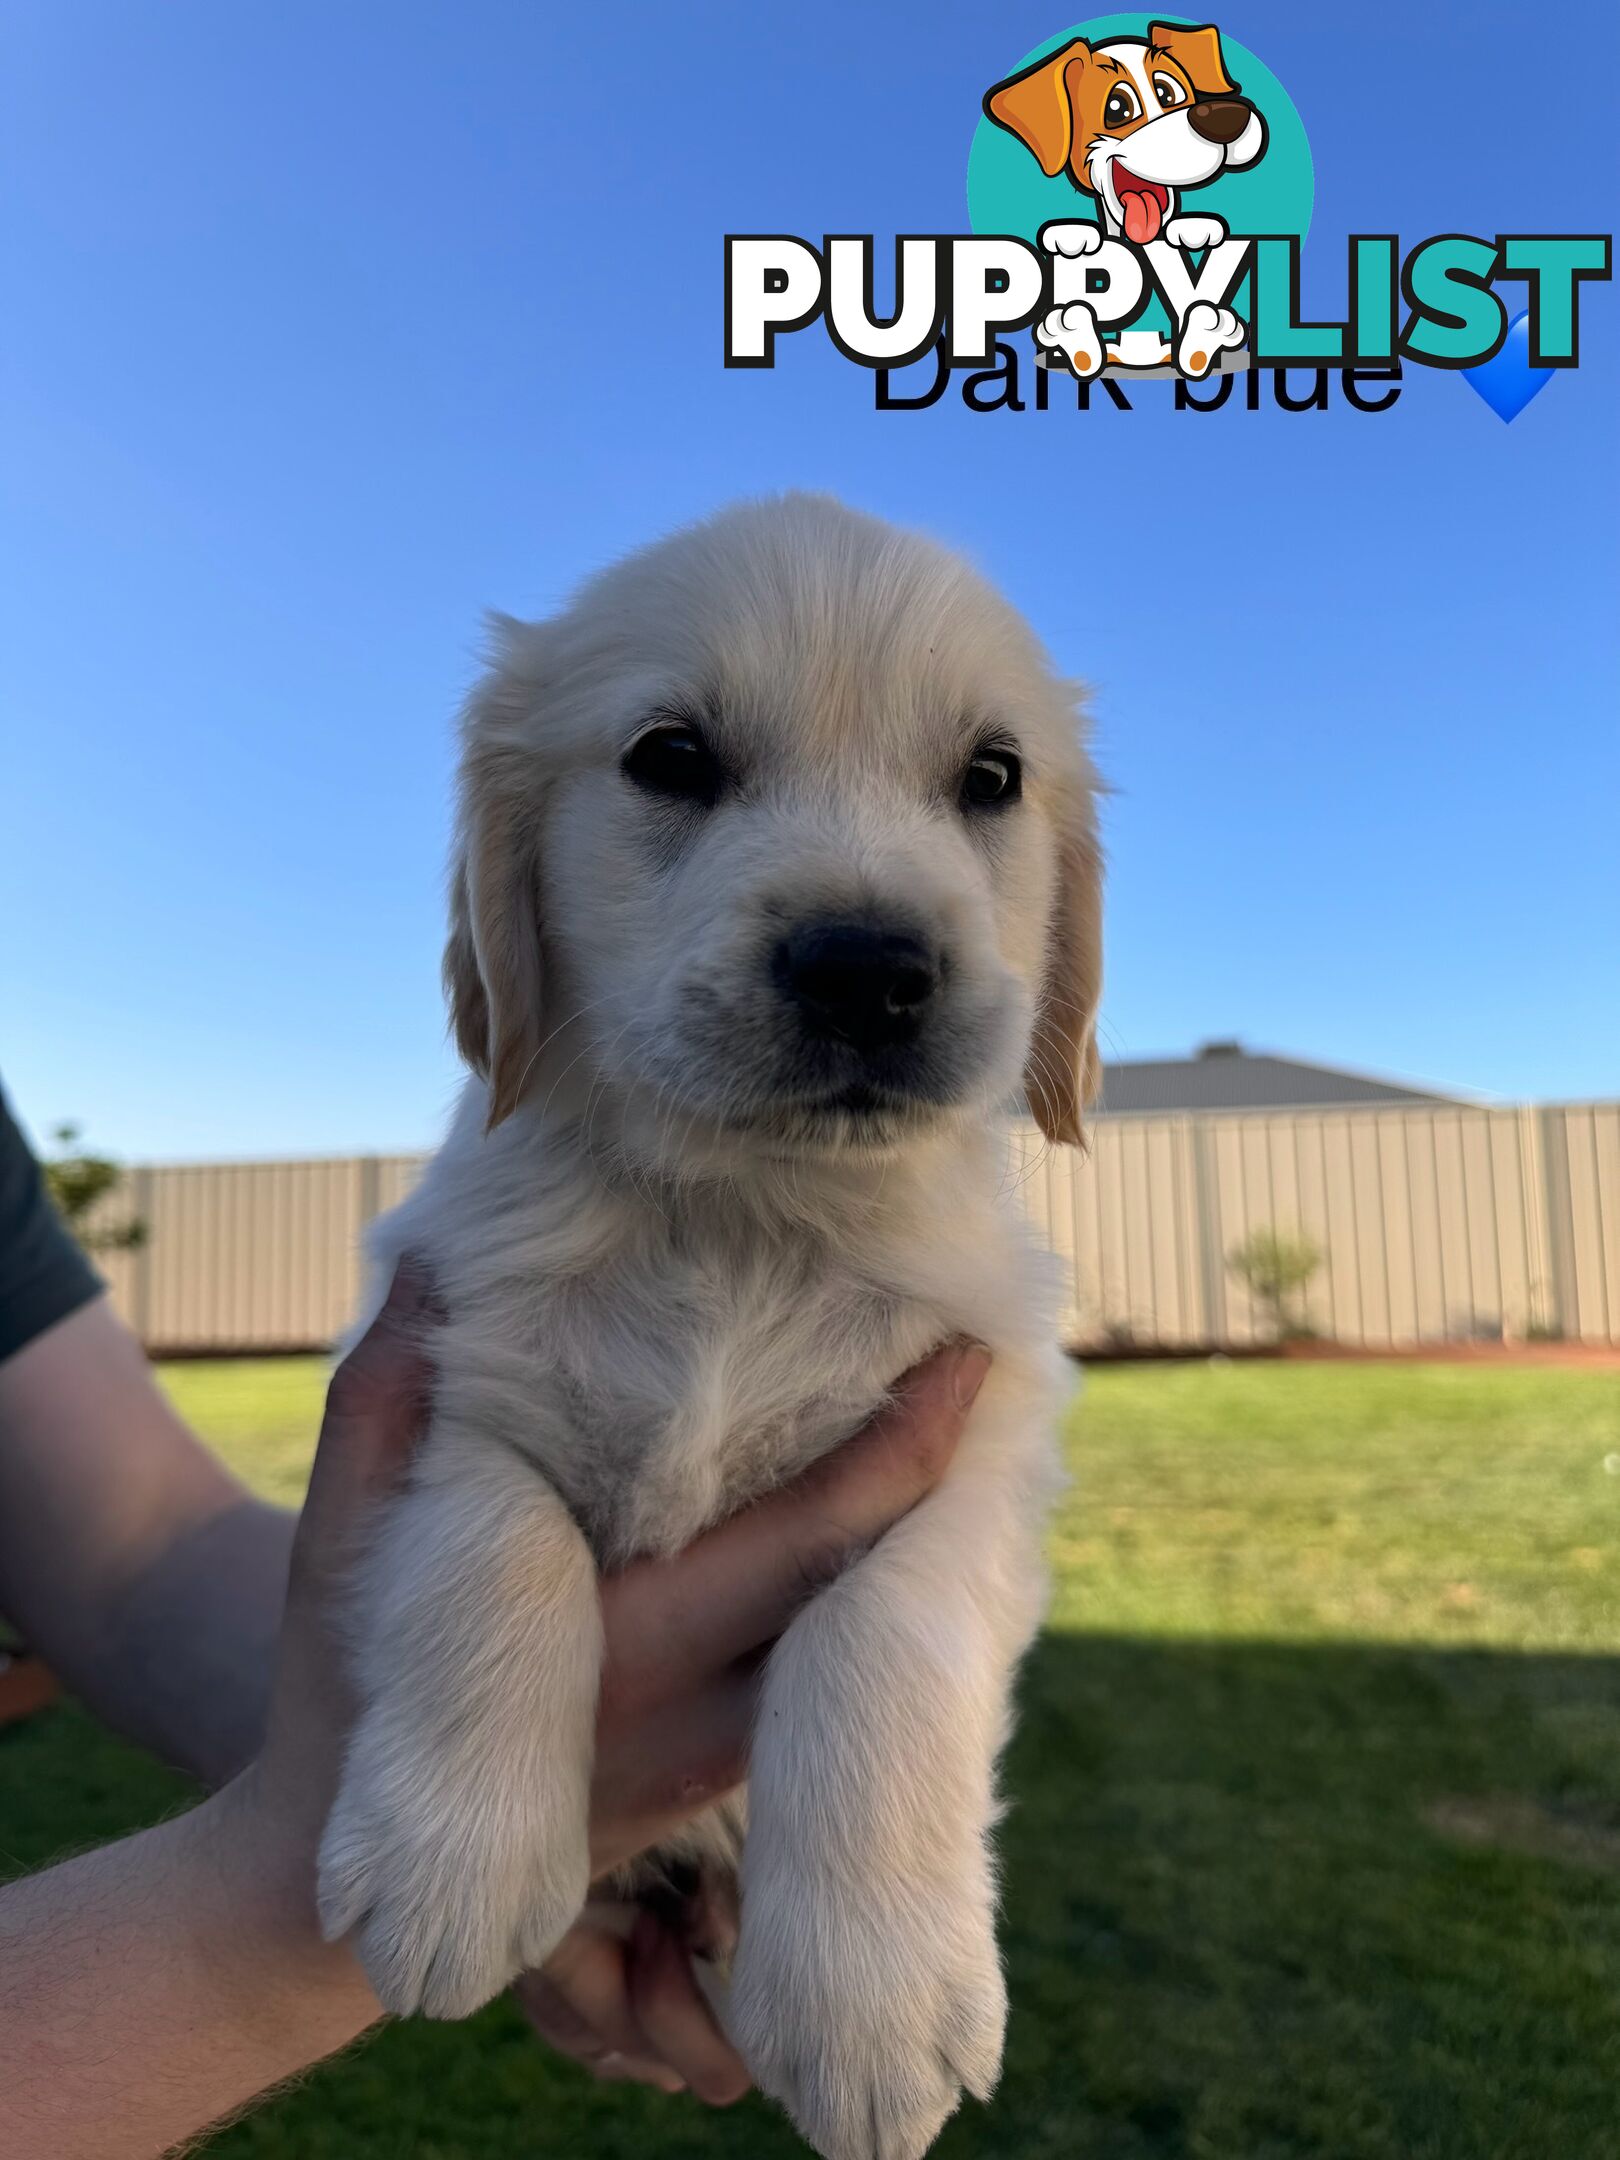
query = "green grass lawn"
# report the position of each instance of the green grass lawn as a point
(1314, 1843)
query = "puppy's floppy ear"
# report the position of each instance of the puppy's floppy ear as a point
(492, 968)
(1063, 1070)
(1196, 50)
(1037, 107)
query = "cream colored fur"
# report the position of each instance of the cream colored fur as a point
(671, 1281)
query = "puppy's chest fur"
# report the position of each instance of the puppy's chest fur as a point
(685, 1389)
(665, 1359)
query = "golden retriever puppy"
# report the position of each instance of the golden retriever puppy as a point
(777, 879)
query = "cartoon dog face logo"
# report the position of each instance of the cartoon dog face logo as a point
(1133, 121)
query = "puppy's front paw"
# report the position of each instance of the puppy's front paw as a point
(448, 1895)
(1194, 234)
(868, 2024)
(1071, 240)
(1206, 332)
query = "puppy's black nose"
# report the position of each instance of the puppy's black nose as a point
(857, 983)
(1219, 120)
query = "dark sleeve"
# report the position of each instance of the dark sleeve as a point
(43, 1274)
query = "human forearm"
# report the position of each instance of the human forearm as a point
(130, 1557)
(150, 1988)
(183, 1656)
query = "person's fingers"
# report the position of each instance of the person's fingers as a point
(580, 2005)
(671, 2011)
(670, 1624)
(375, 1408)
(654, 1771)
(379, 1393)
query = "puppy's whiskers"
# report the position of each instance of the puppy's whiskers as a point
(548, 1039)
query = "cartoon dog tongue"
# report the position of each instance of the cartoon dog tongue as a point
(1139, 206)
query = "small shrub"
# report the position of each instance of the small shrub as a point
(1275, 1266)
(77, 1183)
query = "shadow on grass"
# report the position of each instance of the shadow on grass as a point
(1262, 1901)
(1281, 1899)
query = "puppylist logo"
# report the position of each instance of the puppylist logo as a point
(1139, 190)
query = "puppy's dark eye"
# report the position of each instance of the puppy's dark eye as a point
(1121, 108)
(1168, 92)
(674, 760)
(993, 779)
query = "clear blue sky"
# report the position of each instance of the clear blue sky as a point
(328, 326)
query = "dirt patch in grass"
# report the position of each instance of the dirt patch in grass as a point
(1510, 1823)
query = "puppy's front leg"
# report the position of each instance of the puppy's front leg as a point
(457, 1845)
(867, 1988)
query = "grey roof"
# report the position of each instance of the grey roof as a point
(1225, 1076)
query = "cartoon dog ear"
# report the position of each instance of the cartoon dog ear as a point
(1037, 106)
(1196, 50)
(492, 971)
(1063, 1071)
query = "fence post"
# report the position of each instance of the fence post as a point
(370, 1189)
(1207, 1229)
(1564, 1314)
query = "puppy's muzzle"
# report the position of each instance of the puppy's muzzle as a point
(867, 985)
(1220, 120)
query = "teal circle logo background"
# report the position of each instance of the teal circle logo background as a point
(1008, 193)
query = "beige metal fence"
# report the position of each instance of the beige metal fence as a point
(249, 1256)
(1433, 1224)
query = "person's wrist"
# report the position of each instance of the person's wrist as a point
(260, 1851)
(263, 1845)
(260, 1856)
